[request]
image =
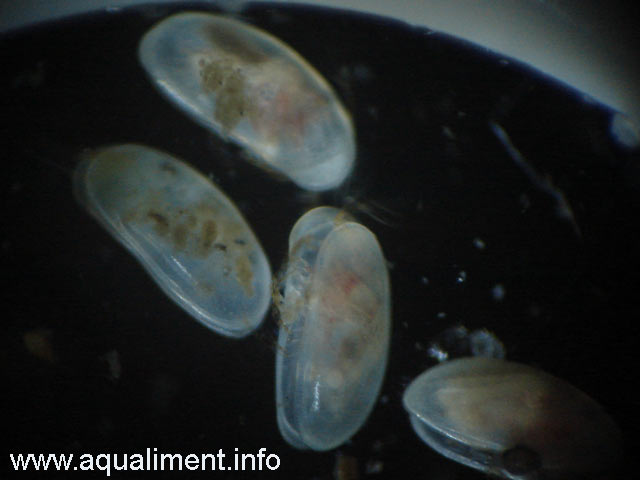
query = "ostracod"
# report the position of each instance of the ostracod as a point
(184, 230)
(334, 338)
(511, 420)
(247, 86)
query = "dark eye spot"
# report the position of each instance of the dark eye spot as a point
(520, 460)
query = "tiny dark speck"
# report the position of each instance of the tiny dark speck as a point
(161, 223)
(158, 218)
(239, 241)
(167, 167)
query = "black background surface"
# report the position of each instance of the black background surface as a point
(430, 178)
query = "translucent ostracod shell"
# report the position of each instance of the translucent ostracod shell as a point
(186, 233)
(511, 420)
(334, 339)
(248, 86)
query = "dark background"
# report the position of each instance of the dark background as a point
(430, 178)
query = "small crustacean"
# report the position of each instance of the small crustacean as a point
(511, 420)
(249, 87)
(334, 339)
(183, 229)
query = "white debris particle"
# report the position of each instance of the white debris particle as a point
(479, 243)
(483, 343)
(362, 72)
(112, 357)
(373, 467)
(625, 131)
(498, 292)
(437, 353)
(447, 132)
(541, 182)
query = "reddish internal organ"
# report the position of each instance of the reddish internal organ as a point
(477, 411)
(334, 347)
(252, 89)
(187, 234)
